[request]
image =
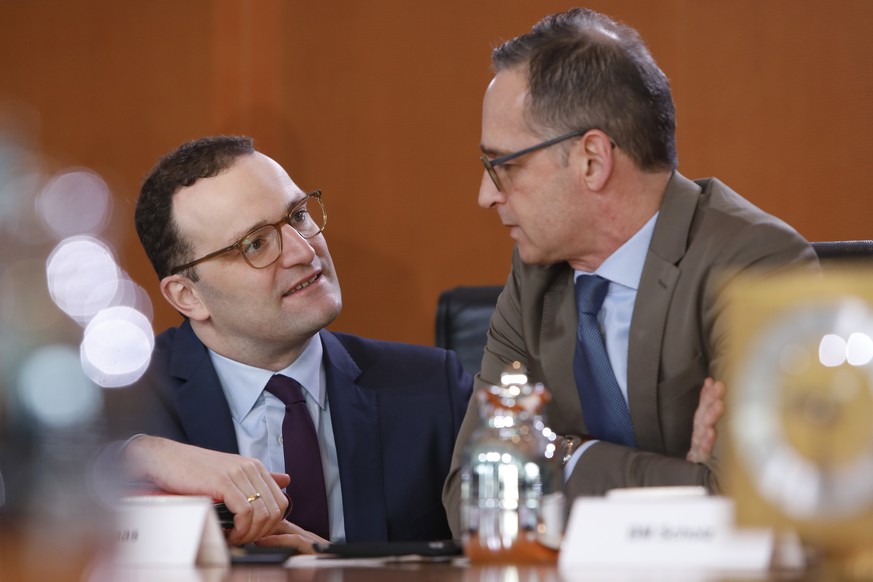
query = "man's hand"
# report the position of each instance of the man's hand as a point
(709, 411)
(288, 535)
(188, 470)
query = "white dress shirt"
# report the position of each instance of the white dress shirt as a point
(258, 415)
(623, 269)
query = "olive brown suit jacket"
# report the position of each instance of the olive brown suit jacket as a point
(704, 234)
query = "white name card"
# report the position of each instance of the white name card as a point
(169, 530)
(628, 532)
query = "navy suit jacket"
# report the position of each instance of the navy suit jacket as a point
(396, 411)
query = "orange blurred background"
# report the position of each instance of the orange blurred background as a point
(378, 103)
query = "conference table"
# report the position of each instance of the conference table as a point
(23, 562)
(57, 569)
(455, 571)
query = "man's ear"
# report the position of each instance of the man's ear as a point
(598, 159)
(181, 293)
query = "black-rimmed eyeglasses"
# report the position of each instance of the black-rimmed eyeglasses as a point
(490, 165)
(263, 246)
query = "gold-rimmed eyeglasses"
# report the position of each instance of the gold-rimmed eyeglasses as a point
(490, 165)
(263, 246)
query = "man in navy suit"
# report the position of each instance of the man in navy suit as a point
(240, 253)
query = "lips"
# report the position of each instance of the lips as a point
(303, 285)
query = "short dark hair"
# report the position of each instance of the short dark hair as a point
(586, 70)
(158, 232)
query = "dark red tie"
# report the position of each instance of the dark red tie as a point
(302, 458)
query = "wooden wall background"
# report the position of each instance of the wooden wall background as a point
(378, 103)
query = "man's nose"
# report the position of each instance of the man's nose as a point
(489, 195)
(295, 249)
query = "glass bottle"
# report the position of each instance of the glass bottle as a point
(512, 504)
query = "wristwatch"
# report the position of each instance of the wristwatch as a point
(570, 443)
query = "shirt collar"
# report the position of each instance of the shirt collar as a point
(244, 384)
(625, 265)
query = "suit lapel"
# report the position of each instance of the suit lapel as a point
(203, 410)
(354, 412)
(657, 283)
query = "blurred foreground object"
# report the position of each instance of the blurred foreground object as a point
(512, 504)
(800, 411)
(71, 322)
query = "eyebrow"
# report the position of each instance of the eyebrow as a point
(491, 152)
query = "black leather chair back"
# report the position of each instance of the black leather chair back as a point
(843, 252)
(463, 313)
(462, 320)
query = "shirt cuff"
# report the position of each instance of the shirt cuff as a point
(574, 458)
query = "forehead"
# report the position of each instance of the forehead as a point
(503, 109)
(253, 191)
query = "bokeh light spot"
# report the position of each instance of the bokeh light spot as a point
(117, 347)
(133, 295)
(74, 202)
(859, 349)
(54, 389)
(83, 277)
(832, 350)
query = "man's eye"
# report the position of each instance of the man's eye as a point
(256, 244)
(299, 216)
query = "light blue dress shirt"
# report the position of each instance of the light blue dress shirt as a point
(623, 269)
(258, 415)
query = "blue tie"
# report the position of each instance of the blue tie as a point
(606, 413)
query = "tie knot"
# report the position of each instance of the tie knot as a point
(285, 389)
(590, 293)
